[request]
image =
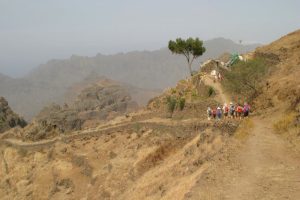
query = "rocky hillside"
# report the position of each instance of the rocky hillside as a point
(281, 94)
(9, 119)
(283, 86)
(145, 70)
(139, 95)
(151, 155)
(94, 105)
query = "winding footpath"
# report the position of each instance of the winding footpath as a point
(264, 166)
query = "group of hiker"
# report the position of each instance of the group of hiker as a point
(232, 111)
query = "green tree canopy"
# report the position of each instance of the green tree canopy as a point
(190, 48)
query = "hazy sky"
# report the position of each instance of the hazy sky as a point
(34, 31)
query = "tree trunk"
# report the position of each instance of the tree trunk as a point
(190, 68)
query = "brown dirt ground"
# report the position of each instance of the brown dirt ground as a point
(169, 159)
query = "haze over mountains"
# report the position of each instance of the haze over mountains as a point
(149, 70)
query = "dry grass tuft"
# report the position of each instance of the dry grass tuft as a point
(244, 129)
(284, 124)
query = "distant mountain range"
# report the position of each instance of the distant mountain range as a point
(148, 70)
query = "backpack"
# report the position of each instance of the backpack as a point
(226, 109)
(240, 109)
(247, 108)
(214, 111)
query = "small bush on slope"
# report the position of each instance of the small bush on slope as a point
(171, 101)
(211, 91)
(286, 123)
(181, 103)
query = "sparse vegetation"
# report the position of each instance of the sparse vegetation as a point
(80, 161)
(22, 152)
(171, 101)
(173, 90)
(174, 102)
(183, 81)
(211, 91)
(285, 123)
(244, 129)
(245, 78)
(137, 127)
(194, 93)
(181, 103)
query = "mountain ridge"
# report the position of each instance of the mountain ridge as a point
(148, 70)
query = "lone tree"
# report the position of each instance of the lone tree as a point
(190, 48)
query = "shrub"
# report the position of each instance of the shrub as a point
(181, 103)
(194, 93)
(137, 127)
(285, 123)
(211, 91)
(171, 101)
(245, 77)
(173, 90)
(183, 81)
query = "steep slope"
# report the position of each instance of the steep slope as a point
(281, 95)
(262, 164)
(155, 161)
(9, 119)
(284, 84)
(146, 70)
(147, 155)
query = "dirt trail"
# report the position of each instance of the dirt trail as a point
(100, 130)
(221, 96)
(264, 167)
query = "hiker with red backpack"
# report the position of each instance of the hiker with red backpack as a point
(233, 111)
(239, 111)
(225, 110)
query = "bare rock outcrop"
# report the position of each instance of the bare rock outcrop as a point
(9, 119)
(93, 105)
